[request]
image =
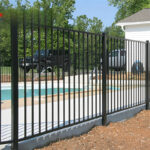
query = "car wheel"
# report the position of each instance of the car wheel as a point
(40, 68)
(137, 68)
(124, 67)
(49, 69)
(66, 67)
(27, 70)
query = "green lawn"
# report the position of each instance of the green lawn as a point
(5, 70)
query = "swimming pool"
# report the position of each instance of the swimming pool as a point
(113, 88)
(6, 93)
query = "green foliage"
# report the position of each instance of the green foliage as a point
(83, 23)
(5, 45)
(55, 12)
(60, 11)
(128, 7)
(114, 31)
(95, 25)
(51, 12)
(4, 5)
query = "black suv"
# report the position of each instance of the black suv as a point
(59, 58)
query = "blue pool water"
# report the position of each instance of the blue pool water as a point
(6, 93)
(113, 88)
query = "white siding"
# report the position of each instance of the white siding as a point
(138, 32)
(136, 51)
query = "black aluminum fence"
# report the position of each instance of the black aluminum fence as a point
(68, 77)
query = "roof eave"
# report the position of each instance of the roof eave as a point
(123, 24)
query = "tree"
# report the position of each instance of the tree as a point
(83, 23)
(114, 31)
(96, 25)
(4, 5)
(128, 7)
(60, 10)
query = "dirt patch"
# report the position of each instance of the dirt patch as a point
(133, 134)
(7, 78)
(123, 76)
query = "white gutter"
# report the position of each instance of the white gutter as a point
(132, 23)
(123, 28)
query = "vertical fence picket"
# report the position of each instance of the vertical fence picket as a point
(46, 58)
(74, 77)
(25, 68)
(147, 75)
(32, 35)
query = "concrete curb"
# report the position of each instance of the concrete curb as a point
(75, 130)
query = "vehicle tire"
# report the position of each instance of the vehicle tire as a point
(100, 67)
(27, 70)
(49, 69)
(137, 68)
(39, 68)
(117, 69)
(124, 67)
(66, 67)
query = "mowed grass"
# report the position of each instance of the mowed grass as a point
(5, 70)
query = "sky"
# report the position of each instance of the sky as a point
(96, 8)
(93, 8)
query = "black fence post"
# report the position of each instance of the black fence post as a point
(147, 75)
(104, 79)
(14, 81)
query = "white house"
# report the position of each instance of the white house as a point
(136, 27)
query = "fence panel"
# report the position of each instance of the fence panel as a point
(5, 83)
(64, 86)
(127, 70)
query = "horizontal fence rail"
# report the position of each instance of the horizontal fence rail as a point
(66, 77)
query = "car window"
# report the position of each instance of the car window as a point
(42, 53)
